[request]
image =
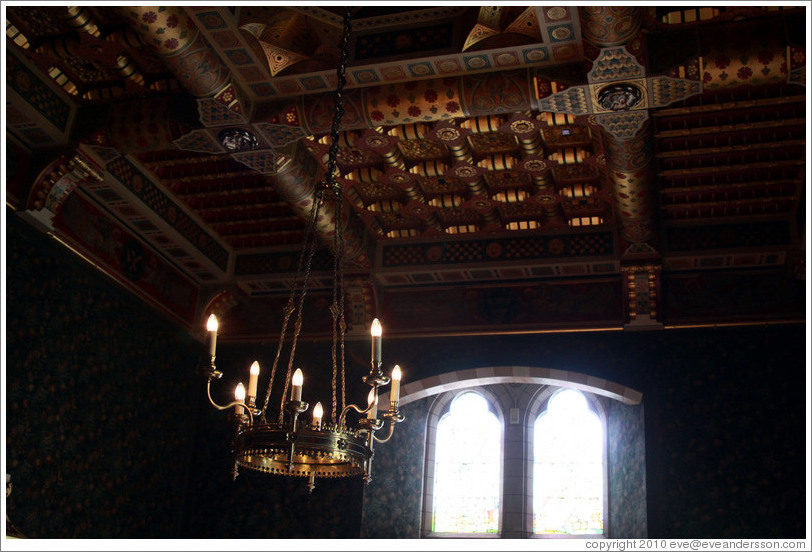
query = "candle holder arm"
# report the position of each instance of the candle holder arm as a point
(229, 405)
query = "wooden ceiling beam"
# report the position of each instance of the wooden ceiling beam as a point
(729, 149)
(729, 128)
(728, 168)
(745, 104)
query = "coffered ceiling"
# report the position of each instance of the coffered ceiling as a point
(505, 169)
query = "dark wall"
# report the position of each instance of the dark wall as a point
(97, 400)
(110, 434)
(724, 414)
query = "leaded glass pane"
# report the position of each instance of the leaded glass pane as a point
(467, 468)
(568, 468)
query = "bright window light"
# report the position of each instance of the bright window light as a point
(568, 468)
(467, 468)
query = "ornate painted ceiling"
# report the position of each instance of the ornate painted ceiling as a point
(505, 169)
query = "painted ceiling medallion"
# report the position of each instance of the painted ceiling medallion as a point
(556, 13)
(448, 134)
(619, 97)
(237, 139)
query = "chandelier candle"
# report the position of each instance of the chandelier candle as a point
(318, 412)
(239, 395)
(211, 326)
(252, 383)
(395, 396)
(297, 380)
(376, 330)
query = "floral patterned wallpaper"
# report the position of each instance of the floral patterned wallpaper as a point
(627, 470)
(394, 497)
(98, 420)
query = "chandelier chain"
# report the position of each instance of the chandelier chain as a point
(290, 305)
(297, 327)
(339, 323)
(288, 310)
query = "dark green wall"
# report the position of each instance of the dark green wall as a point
(99, 417)
(110, 435)
(724, 415)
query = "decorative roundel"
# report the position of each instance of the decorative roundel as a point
(494, 250)
(619, 97)
(522, 127)
(534, 165)
(448, 134)
(237, 139)
(377, 141)
(562, 33)
(418, 210)
(556, 13)
(434, 253)
(465, 172)
(398, 178)
(481, 204)
(556, 246)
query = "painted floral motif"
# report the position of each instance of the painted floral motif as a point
(172, 21)
(745, 73)
(413, 101)
(171, 44)
(149, 17)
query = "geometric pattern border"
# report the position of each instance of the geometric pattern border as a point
(199, 141)
(484, 250)
(614, 64)
(166, 208)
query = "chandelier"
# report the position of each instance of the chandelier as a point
(296, 444)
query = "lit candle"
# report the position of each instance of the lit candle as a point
(376, 330)
(211, 326)
(252, 382)
(395, 396)
(372, 399)
(318, 412)
(239, 394)
(297, 380)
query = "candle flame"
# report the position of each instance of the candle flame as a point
(211, 324)
(376, 328)
(255, 368)
(239, 392)
(298, 377)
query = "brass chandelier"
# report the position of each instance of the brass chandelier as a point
(294, 444)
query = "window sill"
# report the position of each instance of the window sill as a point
(555, 537)
(462, 536)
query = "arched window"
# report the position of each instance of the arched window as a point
(568, 468)
(467, 491)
